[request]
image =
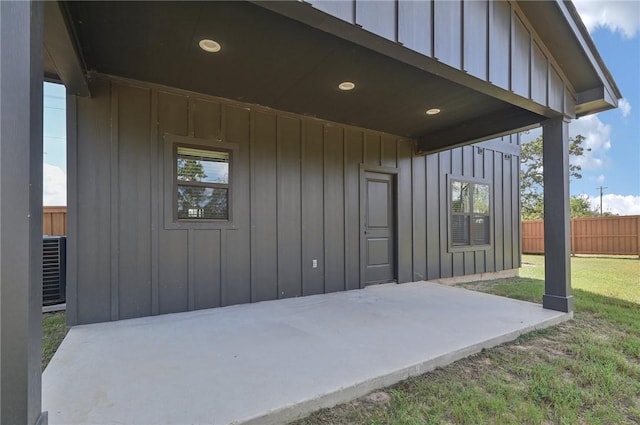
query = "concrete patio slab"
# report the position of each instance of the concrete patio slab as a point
(274, 361)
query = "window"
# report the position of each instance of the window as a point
(202, 183)
(470, 214)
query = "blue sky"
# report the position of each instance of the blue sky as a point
(615, 164)
(55, 143)
(613, 136)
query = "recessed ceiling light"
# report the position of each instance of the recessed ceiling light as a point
(209, 45)
(346, 85)
(433, 111)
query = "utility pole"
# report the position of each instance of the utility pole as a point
(601, 190)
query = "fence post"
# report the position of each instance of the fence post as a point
(638, 235)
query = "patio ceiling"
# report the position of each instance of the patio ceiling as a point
(272, 60)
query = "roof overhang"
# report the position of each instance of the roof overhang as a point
(61, 59)
(291, 56)
(561, 29)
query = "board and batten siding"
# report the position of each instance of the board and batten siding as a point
(490, 40)
(297, 190)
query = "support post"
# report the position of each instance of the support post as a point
(557, 239)
(21, 79)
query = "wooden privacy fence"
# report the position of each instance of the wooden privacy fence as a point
(54, 221)
(619, 235)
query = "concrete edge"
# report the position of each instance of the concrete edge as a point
(54, 308)
(43, 419)
(502, 274)
(301, 409)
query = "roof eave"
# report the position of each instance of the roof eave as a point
(595, 100)
(605, 96)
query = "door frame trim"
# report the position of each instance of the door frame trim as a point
(394, 172)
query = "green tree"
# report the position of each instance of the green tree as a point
(190, 170)
(581, 207)
(190, 197)
(531, 175)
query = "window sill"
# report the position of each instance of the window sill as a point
(469, 248)
(199, 225)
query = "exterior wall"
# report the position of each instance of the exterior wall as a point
(490, 40)
(298, 188)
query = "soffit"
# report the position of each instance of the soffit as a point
(271, 60)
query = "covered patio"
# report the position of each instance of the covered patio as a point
(520, 65)
(274, 361)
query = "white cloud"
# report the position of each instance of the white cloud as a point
(54, 189)
(618, 16)
(617, 204)
(600, 179)
(625, 107)
(597, 138)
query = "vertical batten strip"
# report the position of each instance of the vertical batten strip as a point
(411, 212)
(252, 200)
(324, 216)
(444, 167)
(355, 11)
(512, 36)
(190, 116)
(223, 265)
(398, 190)
(324, 205)
(344, 207)
(489, 19)
(114, 202)
(395, 36)
(223, 232)
(531, 63)
(515, 212)
(277, 222)
(72, 211)
(345, 226)
(461, 50)
(190, 232)
(364, 147)
(191, 258)
(433, 28)
(302, 140)
(155, 170)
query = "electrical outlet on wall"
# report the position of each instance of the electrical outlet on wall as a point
(314, 263)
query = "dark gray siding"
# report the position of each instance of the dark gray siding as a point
(298, 191)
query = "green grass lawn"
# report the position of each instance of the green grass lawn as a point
(586, 371)
(54, 329)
